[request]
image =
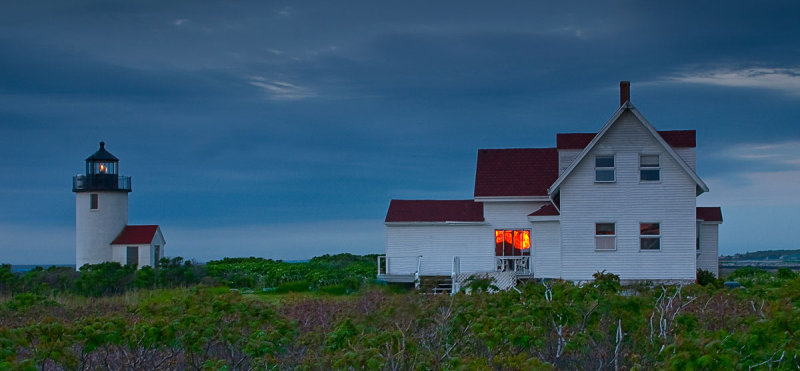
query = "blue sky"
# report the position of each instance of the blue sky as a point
(282, 129)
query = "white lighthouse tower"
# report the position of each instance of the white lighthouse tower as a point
(101, 207)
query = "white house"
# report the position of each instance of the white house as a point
(102, 233)
(621, 200)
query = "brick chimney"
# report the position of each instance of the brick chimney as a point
(624, 92)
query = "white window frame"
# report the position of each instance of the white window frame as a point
(650, 236)
(642, 168)
(612, 168)
(597, 237)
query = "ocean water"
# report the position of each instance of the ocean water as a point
(22, 268)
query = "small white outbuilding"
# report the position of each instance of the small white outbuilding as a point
(138, 245)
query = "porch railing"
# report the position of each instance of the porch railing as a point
(518, 264)
(399, 265)
(454, 275)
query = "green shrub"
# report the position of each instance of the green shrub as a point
(705, 278)
(786, 274)
(608, 282)
(27, 300)
(477, 284)
(335, 289)
(8, 280)
(297, 286)
(110, 278)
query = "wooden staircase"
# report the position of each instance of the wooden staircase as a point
(435, 284)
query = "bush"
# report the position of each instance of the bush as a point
(297, 286)
(108, 278)
(608, 282)
(27, 300)
(786, 274)
(705, 278)
(8, 280)
(335, 290)
(477, 284)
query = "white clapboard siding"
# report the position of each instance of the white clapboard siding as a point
(438, 244)
(546, 245)
(688, 156)
(627, 202)
(565, 158)
(708, 257)
(508, 215)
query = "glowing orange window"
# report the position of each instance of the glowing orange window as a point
(512, 242)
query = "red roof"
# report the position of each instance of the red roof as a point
(709, 214)
(136, 235)
(515, 172)
(573, 140)
(434, 211)
(546, 210)
(675, 138)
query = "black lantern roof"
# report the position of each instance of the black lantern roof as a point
(102, 154)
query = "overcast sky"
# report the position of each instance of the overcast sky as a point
(283, 128)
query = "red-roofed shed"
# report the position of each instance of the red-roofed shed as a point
(136, 234)
(139, 245)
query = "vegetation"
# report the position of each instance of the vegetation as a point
(345, 271)
(765, 254)
(50, 322)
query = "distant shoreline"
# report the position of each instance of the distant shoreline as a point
(22, 268)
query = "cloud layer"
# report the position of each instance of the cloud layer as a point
(784, 80)
(263, 114)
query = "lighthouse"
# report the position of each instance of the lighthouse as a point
(102, 233)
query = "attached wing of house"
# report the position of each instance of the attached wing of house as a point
(621, 200)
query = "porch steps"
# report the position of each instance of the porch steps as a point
(435, 284)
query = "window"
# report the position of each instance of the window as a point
(93, 201)
(605, 236)
(133, 256)
(104, 168)
(697, 236)
(649, 168)
(604, 169)
(650, 236)
(512, 242)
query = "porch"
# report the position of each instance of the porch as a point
(505, 270)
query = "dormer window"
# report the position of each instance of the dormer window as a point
(649, 168)
(604, 170)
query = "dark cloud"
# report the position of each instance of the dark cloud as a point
(261, 113)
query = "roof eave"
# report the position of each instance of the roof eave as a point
(465, 223)
(544, 218)
(510, 198)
